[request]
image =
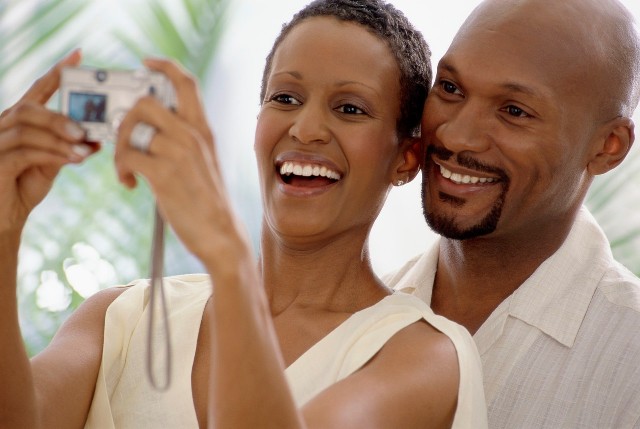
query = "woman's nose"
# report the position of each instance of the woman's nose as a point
(311, 125)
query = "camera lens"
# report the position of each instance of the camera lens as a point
(101, 75)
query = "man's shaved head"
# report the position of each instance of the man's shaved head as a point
(596, 39)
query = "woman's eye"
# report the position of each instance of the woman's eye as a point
(350, 109)
(286, 99)
(449, 87)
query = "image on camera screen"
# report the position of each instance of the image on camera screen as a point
(87, 107)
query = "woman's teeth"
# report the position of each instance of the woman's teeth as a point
(307, 170)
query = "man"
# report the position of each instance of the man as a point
(531, 101)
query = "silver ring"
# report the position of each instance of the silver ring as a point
(141, 136)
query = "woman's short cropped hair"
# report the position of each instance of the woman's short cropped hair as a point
(407, 44)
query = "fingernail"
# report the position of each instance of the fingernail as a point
(74, 130)
(81, 150)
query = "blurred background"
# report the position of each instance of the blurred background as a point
(91, 233)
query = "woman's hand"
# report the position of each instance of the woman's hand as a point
(181, 168)
(34, 144)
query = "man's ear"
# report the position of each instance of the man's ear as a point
(408, 161)
(614, 145)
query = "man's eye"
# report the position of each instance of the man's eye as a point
(516, 111)
(286, 99)
(449, 87)
(350, 109)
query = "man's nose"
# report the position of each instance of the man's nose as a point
(466, 127)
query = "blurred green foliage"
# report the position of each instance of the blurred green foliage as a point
(90, 232)
(614, 199)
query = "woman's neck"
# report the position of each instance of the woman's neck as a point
(333, 274)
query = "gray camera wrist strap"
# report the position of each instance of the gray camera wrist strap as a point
(157, 256)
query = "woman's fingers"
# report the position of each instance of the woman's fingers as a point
(150, 111)
(26, 176)
(189, 105)
(34, 144)
(172, 139)
(33, 138)
(15, 162)
(43, 88)
(178, 162)
(31, 125)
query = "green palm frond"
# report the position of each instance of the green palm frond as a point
(50, 20)
(189, 37)
(614, 200)
(209, 19)
(162, 35)
(25, 35)
(628, 238)
(609, 187)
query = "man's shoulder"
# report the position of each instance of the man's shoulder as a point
(621, 288)
(418, 271)
(393, 277)
(613, 315)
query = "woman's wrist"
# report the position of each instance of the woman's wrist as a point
(10, 244)
(229, 258)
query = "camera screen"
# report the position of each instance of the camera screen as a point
(87, 107)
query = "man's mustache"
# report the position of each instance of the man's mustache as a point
(463, 159)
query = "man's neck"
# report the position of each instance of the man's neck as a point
(475, 276)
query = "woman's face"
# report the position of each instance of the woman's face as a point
(326, 139)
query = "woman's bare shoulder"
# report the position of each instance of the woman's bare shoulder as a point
(65, 372)
(411, 382)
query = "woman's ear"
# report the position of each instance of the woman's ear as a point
(613, 147)
(408, 161)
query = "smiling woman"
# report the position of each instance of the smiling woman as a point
(316, 93)
(341, 93)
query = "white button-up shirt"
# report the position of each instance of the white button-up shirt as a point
(563, 351)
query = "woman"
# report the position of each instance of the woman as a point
(309, 336)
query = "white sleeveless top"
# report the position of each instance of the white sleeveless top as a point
(124, 398)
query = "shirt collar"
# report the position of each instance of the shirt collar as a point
(418, 275)
(555, 298)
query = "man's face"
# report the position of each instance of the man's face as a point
(506, 133)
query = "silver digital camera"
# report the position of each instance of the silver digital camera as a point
(98, 99)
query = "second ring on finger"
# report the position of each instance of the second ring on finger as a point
(141, 136)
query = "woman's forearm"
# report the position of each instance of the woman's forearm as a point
(17, 394)
(248, 386)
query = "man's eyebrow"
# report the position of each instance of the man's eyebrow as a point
(508, 86)
(448, 67)
(524, 89)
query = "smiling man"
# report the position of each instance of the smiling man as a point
(532, 100)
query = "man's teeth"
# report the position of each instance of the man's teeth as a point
(459, 178)
(308, 170)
